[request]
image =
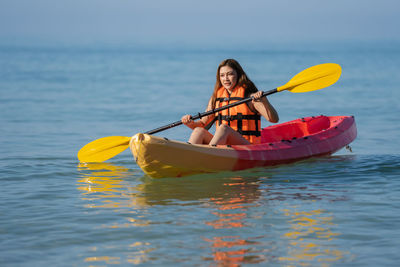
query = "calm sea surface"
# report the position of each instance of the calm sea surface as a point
(342, 210)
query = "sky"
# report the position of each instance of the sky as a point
(197, 22)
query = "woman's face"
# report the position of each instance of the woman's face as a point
(228, 77)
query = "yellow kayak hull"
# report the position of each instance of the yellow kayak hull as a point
(159, 157)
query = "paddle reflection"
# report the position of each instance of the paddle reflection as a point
(103, 182)
(310, 238)
(106, 184)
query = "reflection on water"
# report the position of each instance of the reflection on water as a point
(103, 186)
(103, 182)
(309, 238)
(233, 205)
(231, 211)
(228, 200)
(139, 256)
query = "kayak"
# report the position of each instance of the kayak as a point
(280, 144)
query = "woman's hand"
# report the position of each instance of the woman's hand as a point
(263, 107)
(256, 97)
(187, 120)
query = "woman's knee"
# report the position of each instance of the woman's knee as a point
(200, 136)
(199, 130)
(223, 128)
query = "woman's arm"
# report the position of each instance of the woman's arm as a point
(262, 105)
(202, 122)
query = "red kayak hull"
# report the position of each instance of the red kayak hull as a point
(298, 139)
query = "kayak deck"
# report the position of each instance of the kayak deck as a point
(282, 143)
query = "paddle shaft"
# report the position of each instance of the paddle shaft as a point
(200, 115)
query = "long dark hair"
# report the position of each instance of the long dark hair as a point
(242, 79)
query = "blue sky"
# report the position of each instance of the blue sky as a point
(197, 22)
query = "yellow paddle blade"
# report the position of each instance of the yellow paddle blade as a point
(103, 149)
(313, 78)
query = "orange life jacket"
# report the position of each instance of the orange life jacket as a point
(240, 117)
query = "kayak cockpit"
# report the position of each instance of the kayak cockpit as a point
(297, 129)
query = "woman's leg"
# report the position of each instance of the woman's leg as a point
(200, 136)
(225, 135)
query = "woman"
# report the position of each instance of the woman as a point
(239, 125)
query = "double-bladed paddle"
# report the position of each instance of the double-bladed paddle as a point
(311, 79)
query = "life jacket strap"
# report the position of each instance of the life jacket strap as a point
(226, 99)
(253, 133)
(240, 117)
(208, 126)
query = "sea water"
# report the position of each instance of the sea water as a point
(341, 210)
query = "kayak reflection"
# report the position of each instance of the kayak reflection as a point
(224, 208)
(232, 212)
(228, 199)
